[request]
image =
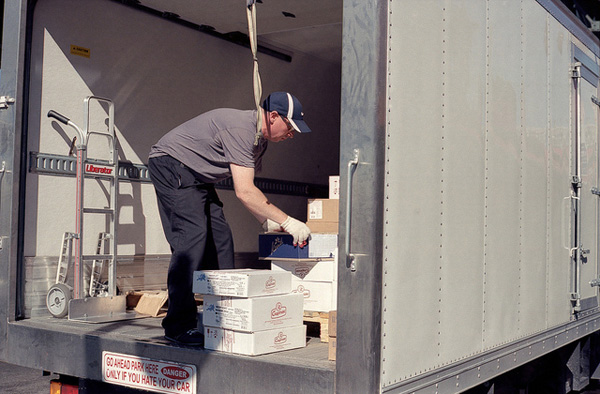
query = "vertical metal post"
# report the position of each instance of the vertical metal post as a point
(576, 192)
(78, 282)
(363, 128)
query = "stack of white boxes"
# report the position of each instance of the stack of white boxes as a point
(315, 277)
(251, 312)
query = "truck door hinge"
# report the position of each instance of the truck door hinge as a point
(576, 181)
(595, 191)
(596, 101)
(5, 100)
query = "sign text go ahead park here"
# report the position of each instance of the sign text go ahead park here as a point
(148, 374)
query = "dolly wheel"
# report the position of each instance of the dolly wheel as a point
(58, 299)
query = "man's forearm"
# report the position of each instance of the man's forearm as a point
(257, 203)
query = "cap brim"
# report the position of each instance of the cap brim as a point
(300, 126)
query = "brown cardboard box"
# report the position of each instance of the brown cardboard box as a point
(322, 226)
(323, 209)
(332, 323)
(332, 348)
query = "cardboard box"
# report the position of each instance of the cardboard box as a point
(151, 304)
(280, 245)
(323, 209)
(323, 271)
(255, 343)
(323, 226)
(318, 296)
(334, 187)
(332, 348)
(332, 326)
(253, 314)
(242, 282)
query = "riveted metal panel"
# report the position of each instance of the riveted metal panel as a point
(533, 162)
(558, 167)
(462, 184)
(413, 193)
(434, 165)
(476, 218)
(503, 169)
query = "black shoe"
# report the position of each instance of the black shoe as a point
(193, 337)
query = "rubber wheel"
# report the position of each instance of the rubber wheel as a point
(57, 300)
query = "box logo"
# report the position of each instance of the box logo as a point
(277, 242)
(301, 271)
(280, 339)
(175, 373)
(302, 290)
(279, 311)
(271, 283)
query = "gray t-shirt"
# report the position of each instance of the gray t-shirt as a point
(209, 142)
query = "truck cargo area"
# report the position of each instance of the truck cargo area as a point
(464, 137)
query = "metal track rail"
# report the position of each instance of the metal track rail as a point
(45, 163)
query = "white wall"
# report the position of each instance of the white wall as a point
(158, 74)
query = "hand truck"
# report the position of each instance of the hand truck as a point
(100, 302)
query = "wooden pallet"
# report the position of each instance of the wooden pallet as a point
(317, 324)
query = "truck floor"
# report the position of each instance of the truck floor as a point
(48, 343)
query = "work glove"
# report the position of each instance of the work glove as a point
(297, 229)
(271, 225)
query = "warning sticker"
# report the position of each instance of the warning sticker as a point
(147, 374)
(80, 51)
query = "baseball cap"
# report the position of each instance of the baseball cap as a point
(287, 106)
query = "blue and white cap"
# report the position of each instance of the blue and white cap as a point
(288, 106)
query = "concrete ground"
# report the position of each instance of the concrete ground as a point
(21, 380)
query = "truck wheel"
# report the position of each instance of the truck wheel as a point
(57, 300)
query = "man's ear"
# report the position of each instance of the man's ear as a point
(273, 116)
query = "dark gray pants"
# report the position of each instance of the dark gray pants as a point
(195, 227)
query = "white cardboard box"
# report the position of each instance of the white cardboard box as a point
(255, 343)
(242, 282)
(321, 245)
(253, 314)
(323, 271)
(318, 296)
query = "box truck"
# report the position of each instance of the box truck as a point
(465, 135)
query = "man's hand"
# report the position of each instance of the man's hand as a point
(297, 229)
(271, 225)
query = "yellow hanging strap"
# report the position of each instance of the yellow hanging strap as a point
(256, 82)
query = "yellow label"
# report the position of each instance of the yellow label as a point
(80, 51)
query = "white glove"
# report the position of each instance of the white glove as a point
(297, 229)
(271, 225)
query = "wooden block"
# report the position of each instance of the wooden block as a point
(333, 324)
(321, 318)
(150, 304)
(332, 348)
